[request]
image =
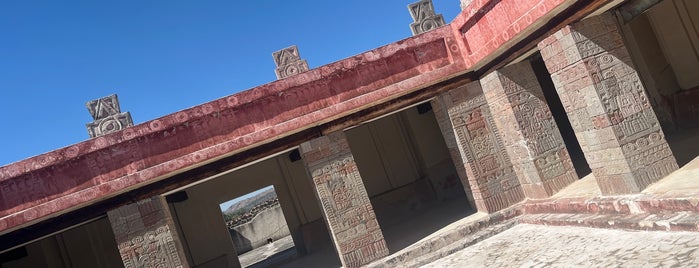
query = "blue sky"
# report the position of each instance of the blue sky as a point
(163, 56)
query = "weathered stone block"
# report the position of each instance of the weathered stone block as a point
(339, 188)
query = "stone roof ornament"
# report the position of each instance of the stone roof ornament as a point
(107, 115)
(289, 62)
(424, 17)
(465, 3)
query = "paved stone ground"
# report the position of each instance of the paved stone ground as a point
(260, 254)
(528, 245)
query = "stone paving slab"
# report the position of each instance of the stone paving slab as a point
(261, 253)
(527, 245)
(458, 235)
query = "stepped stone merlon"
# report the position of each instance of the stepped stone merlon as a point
(107, 115)
(289, 62)
(424, 17)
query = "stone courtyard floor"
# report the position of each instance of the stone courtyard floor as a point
(508, 239)
(261, 256)
(527, 245)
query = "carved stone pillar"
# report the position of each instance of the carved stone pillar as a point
(531, 137)
(146, 236)
(346, 207)
(444, 123)
(607, 105)
(489, 171)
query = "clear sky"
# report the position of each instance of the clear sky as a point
(163, 56)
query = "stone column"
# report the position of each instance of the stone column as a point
(145, 235)
(530, 134)
(346, 207)
(444, 123)
(607, 105)
(489, 171)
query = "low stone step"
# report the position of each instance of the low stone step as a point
(678, 221)
(632, 204)
(466, 241)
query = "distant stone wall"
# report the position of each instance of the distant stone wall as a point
(269, 223)
(248, 216)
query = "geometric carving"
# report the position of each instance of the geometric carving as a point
(344, 201)
(607, 105)
(491, 178)
(103, 107)
(107, 115)
(288, 62)
(145, 235)
(109, 124)
(531, 137)
(424, 17)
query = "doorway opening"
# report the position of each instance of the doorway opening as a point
(257, 227)
(281, 189)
